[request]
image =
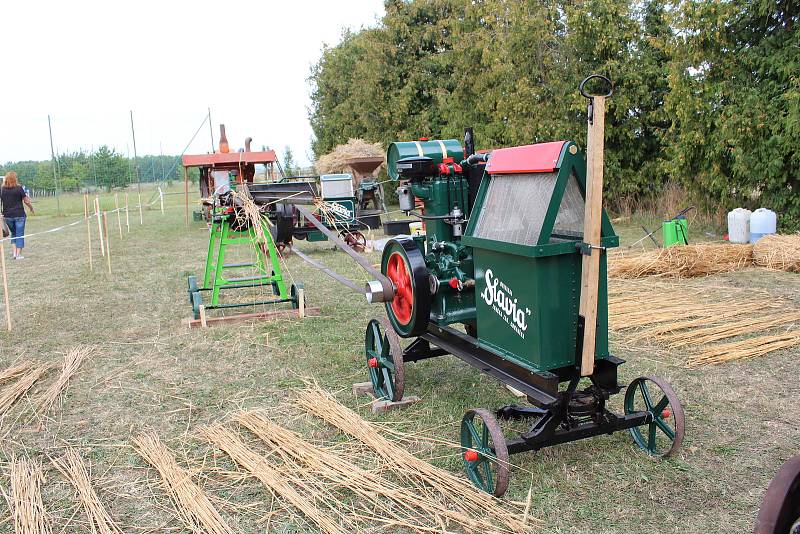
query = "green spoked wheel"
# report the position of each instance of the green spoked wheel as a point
(410, 309)
(384, 360)
(664, 434)
(485, 451)
(197, 301)
(192, 281)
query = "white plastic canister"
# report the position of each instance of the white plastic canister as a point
(739, 225)
(762, 222)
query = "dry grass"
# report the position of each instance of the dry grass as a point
(13, 392)
(72, 361)
(748, 348)
(14, 372)
(191, 503)
(71, 465)
(686, 261)
(779, 252)
(318, 511)
(336, 160)
(25, 502)
(457, 493)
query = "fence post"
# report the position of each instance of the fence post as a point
(141, 217)
(99, 225)
(127, 214)
(119, 216)
(88, 230)
(5, 283)
(108, 244)
(161, 199)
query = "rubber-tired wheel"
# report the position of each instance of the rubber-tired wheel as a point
(384, 360)
(294, 294)
(403, 263)
(354, 239)
(192, 281)
(485, 451)
(665, 432)
(780, 508)
(197, 301)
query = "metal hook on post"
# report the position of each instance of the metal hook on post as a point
(590, 97)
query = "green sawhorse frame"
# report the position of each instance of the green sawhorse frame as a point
(266, 266)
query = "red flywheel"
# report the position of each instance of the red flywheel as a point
(404, 265)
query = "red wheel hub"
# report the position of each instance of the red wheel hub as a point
(471, 456)
(403, 302)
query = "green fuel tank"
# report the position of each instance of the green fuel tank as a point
(435, 149)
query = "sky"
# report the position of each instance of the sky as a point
(89, 63)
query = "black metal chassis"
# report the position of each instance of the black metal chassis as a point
(554, 421)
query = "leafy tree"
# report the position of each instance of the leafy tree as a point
(290, 168)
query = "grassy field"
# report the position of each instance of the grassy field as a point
(152, 373)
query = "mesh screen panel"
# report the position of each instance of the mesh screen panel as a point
(514, 207)
(569, 220)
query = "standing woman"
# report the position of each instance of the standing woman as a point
(12, 197)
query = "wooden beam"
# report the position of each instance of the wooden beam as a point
(276, 314)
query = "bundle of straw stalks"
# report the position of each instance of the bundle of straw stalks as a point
(25, 502)
(336, 160)
(779, 252)
(191, 503)
(685, 261)
(72, 361)
(276, 481)
(748, 348)
(71, 465)
(11, 393)
(457, 493)
(391, 504)
(14, 372)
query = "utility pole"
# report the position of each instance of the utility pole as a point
(211, 130)
(55, 172)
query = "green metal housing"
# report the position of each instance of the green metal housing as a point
(438, 150)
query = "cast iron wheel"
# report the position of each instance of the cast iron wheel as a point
(780, 508)
(384, 360)
(409, 311)
(294, 294)
(665, 432)
(197, 300)
(354, 240)
(192, 280)
(485, 451)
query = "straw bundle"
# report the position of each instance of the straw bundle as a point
(336, 160)
(458, 493)
(191, 503)
(72, 361)
(13, 392)
(397, 505)
(14, 372)
(749, 348)
(685, 261)
(779, 252)
(26, 504)
(230, 443)
(74, 470)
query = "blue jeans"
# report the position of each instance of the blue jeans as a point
(17, 227)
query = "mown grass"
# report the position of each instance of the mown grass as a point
(152, 373)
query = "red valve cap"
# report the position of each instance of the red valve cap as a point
(373, 362)
(666, 413)
(453, 283)
(471, 456)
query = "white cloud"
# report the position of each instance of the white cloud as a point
(87, 63)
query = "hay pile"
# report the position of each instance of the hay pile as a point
(685, 261)
(779, 252)
(25, 501)
(72, 361)
(11, 393)
(336, 161)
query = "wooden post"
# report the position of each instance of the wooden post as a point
(203, 316)
(99, 225)
(108, 244)
(119, 215)
(5, 283)
(186, 194)
(161, 199)
(88, 230)
(593, 215)
(141, 217)
(127, 214)
(301, 303)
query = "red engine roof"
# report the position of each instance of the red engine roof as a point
(228, 159)
(542, 157)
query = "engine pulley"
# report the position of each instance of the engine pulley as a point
(409, 310)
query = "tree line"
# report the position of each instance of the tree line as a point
(102, 169)
(707, 92)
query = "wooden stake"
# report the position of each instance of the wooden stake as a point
(119, 215)
(88, 230)
(108, 244)
(99, 225)
(590, 270)
(161, 199)
(203, 321)
(127, 214)
(301, 303)
(141, 217)
(5, 284)
(186, 194)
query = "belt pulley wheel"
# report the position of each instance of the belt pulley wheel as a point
(354, 239)
(485, 451)
(780, 508)
(665, 432)
(384, 360)
(403, 263)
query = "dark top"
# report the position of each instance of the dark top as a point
(11, 198)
